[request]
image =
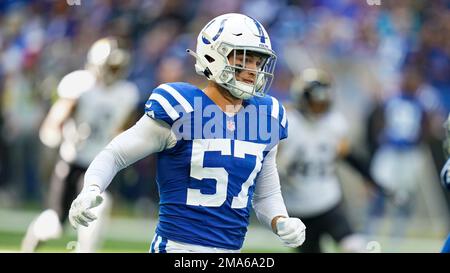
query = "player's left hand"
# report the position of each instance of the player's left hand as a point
(80, 213)
(291, 231)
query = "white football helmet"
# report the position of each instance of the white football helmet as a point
(221, 39)
(108, 58)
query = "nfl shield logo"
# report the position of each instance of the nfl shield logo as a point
(230, 125)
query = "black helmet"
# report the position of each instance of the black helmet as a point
(311, 91)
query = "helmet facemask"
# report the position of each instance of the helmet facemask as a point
(316, 100)
(116, 67)
(231, 62)
(312, 92)
(248, 72)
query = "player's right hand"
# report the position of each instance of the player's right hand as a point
(80, 213)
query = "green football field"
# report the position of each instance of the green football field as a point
(134, 235)
(10, 242)
(123, 234)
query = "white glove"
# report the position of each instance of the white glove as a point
(80, 213)
(291, 231)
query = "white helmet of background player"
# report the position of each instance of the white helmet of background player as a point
(108, 59)
(311, 92)
(223, 37)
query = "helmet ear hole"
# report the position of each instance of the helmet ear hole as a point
(209, 59)
(207, 73)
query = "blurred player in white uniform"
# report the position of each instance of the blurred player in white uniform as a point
(94, 105)
(318, 138)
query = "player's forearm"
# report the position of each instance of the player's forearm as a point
(146, 137)
(269, 209)
(363, 167)
(103, 169)
(267, 201)
(50, 132)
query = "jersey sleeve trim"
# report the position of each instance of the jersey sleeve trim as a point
(277, 113)
(178, 97)
(168, 108)
(275, 108)
(283, 117)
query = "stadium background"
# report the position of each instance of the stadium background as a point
(364, 44)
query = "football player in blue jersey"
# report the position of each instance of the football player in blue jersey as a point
(399, 161)
(445, 176)
(216, 147)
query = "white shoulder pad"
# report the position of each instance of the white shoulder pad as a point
(76, 83)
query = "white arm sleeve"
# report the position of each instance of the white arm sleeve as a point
(146, 137)
(267, 199)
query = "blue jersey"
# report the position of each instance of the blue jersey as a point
(206, 181)
(403, 117)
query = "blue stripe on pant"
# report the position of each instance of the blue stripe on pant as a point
(162, 245)
(152, 248)
(159, 244)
